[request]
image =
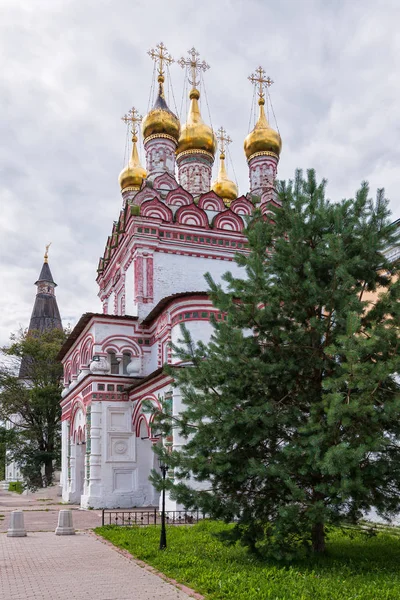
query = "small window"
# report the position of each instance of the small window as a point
(110, 387)
(114, 364)
(100, 387)
(120, 388)
(126, 359)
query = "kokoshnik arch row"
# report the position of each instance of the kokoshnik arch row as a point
(174, 226)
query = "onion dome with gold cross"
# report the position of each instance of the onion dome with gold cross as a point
(263, 139)
(132, 176)
(223, 186)
(195, 135)
(161, 121)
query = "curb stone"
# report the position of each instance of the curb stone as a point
(191, 593)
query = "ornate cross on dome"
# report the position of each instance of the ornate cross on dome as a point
(259, 79)
(223, 139)
(161, 56)
(132, 117)
(194, 66)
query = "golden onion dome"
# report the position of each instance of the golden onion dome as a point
(263, 138)
(222, 186)
(195, 134)
(132, 176)
(161, 120)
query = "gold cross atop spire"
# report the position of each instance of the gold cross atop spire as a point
(162, 57)
(260, 80)
(46, 254)
(194, 66)
(223, 140)
(134, 118)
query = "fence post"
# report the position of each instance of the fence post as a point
(102, 517)
(155, 516)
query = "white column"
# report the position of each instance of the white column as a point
(64, 455)
(95, 488)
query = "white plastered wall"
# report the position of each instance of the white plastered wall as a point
(174, 273)
(120, 462)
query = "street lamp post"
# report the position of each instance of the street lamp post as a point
(163, 535)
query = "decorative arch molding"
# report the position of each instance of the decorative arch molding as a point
(210, 201)
(165, 182)
(242, 206)
(228, 221)
(266, 206)
(87, 350)
(142, 419)
(156, 209)
(79, 435)
(121, 344)
(144, 195)
(75, 362)
(179, 197)
(192, 215)
(138, 414)
(67, 372)
(77, 408)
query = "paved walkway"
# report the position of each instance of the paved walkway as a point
(44, 566)
(41, 511)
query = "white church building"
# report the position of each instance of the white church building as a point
(174, 226)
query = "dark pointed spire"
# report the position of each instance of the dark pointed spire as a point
(45, 314)
(45, 274)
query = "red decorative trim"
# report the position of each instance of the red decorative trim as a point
(145, 194)
(179, 197)
(242, 206)
(139, 422)
(266, 206)
(76, 405)
(149, 278)
(193, 216)
(228, 220)
(165, 181)
(210, 201)
(155, 209)
(138, 268)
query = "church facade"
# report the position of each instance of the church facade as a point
(174, 226)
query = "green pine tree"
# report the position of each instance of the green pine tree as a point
(292, 411)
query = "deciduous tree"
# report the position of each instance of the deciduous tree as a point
(31, 404)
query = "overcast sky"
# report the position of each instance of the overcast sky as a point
(69, 69)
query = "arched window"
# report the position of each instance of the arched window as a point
(126, 359)
(114, 364)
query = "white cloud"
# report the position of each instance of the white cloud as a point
(71, 68)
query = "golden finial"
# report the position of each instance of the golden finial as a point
(223, 140)
(131, 177)
(223, 186)
(46, 254)
(134, 118)
(162, 57)
(193, 66)
(260, 80)
(263, 139)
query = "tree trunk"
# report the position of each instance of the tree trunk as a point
(48, 472)
(318, 538)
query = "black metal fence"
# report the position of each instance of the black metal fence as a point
(128, 518)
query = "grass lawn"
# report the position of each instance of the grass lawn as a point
(354, 568)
